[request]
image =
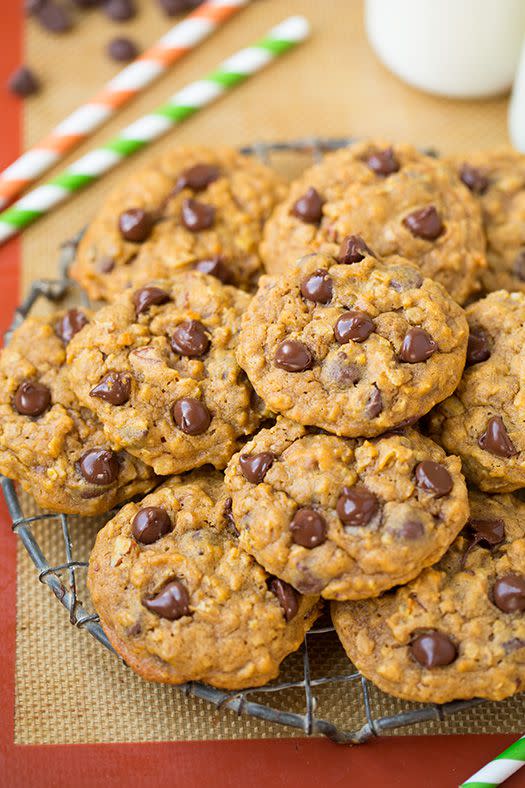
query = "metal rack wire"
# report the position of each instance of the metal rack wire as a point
(63, 582)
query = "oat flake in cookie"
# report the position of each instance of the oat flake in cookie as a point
(191, 208)
(181, 601)
(345, 518)
(484, 420)
(49, 442)
(158, 368)
(458, 630)
(353, 345)
(401, 201)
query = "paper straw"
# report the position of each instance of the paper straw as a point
(500, 769)
(156, 60)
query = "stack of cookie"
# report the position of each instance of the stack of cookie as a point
(307, 430)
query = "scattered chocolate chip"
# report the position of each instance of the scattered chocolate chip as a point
(149, 296)
(135, 225)
(150, 524)
(70, 324)
(357, 506)
(434, 478)
(54, 18)
(317, 287)
(496, 439)
(228, 516)
(308, 528)
(33, 6)
(287, 596)
(309, 207)
(197, 216)
(486, 533)
(478, 348)
(172, 601)
(122, 50)
(197, 178)
(23, 82)
(174, 7)
(120, 10)
(513, 645)
(342, 372)
(417, 346)
(353, 325)
(374, 406)
(190, 339)
(293, 356)
(407, 279)
(114, 388)
(383, 162)
(191, 416)
(508, 593)
(433, 649)
(87, 3)
(105, 265)
(410, 530)
(99, 466)
(519, 265)
(32, 398)
(353, 249)
(254, 467)
(474, 179)
(215, 266)
(425, 223)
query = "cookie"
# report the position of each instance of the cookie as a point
(401, 201)
(353, 345)
(484, 420)
(458, 630)
(497, 179)
(158, 368)
(50, 443)
(345, 518)
(181, 601)
(193, 207)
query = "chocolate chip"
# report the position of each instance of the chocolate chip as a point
(474, 179)
(32, 398)
(228, 516)
(173, 7)
(287, 596)
(487, 533)
(342, 372)
(172, 601)
(519, 265)
(191, 416)
(190, 339)
(87, 3)
(197, 216)
(114, 387)
(383, 162)
(317, 287)
(513, 645)
(135, 225)
(197, 178)
(417, 346)
(374, 406)
(410, 530)
(54, 17)
(357, 506)
(293, 356)
(433, 649)
(308, 528)
(508, 593)
(309, 207)
(425, 223)
(254, 467)
(23, 82)
(353, 325)
(122, 50)
(478, 348)
(99, 466)
(407, 279)
(150, 523)
(149, 296)
(105, 265)
(215, 266)
(70, 324)
(32, 6)
(353, 249)
(434, 478)
(120, 10)
(496, 439)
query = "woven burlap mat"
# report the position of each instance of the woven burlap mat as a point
(68, 688)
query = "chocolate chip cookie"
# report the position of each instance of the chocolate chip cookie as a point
(352, 345)
(458, 630)
(484, 420)
(193, 207)
(345, 518)
(50, 443)
(158, 368)
(401, 201)
(181, 601)
(497, 179)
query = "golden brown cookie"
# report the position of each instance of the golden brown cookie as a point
(399, 200)
(181, 601)
(458, 630)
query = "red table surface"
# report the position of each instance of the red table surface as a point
(409, 761)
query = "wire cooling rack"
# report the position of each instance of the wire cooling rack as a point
(306, 678)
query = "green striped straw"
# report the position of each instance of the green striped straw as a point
(500, 769)
(185, 103)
